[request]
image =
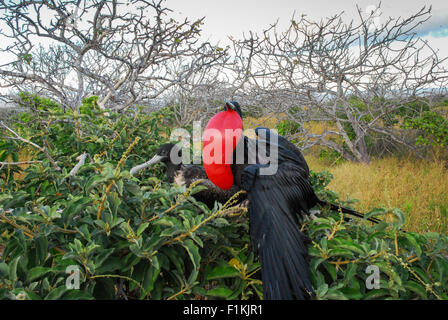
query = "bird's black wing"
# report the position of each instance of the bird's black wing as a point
(274, 202)
(288, 151)
(284, 143)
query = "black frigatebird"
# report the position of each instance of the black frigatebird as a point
(274, 202)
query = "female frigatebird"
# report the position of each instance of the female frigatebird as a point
(274, 199)
(186, 174)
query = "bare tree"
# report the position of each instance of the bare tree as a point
(120, 51)
(349, 75)
(200, 96)
(199, 101)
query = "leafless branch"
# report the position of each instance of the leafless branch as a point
(119, 51)
(42, 149)
(343, 74)
(81, 160)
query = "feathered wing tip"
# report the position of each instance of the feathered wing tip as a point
(351, 212)
(274, 201)
(283, 253)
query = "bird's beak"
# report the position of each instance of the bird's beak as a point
(154, 160)
(230, 106)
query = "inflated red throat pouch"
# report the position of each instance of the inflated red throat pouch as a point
(220, 138)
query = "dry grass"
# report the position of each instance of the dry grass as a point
(269, 121)
(419, 188)
(319, 127)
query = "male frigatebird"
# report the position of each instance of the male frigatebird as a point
(275, 200)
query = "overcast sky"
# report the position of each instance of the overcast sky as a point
(233, 17)
(225, 18)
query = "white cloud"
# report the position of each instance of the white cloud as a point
(233, 17)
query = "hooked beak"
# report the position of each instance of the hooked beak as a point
(230, 106)
(154, 160)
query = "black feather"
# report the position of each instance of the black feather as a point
(274, 202)
(275, 234)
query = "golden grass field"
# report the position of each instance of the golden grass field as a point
(418, 187)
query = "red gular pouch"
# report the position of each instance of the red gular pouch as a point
(220, 138)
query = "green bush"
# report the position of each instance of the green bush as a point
(146, 239)
(432, 126)
(288, 128)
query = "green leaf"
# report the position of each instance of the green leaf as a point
(417, 288)
(56, 293)
(4, 270)
(340, 253)
(175, 258)
(335, 294)
(431, 235)
(74, 207)
(376, 293)
(37, 272)
(350, 272)
(223, 271)
(422, 274)
(193, 253)
(400, 217)
(42, 248)
(315, 263)
(356, 248)
(150, 278)
(375, 212)
(221, 292)
(13, 269)
(331, 268)
(77, 295)
(352, 293)
(414, 244)
(93, 181)
(102, 256)
(142, 228)
(33, 296)
(322, 290)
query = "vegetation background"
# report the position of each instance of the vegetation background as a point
(107, 89)
(141, 238)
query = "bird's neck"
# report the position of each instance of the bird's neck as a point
(236, 167)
